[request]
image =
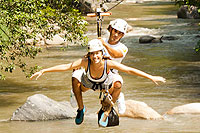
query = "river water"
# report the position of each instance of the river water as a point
(175, 60)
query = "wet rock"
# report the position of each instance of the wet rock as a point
(194, 12)
(183, 12)
(86, 6)
(197, 36)
(136, 109)
(39, 108)
(56, 40)
(169, 38)
(188, 13)
(192, 108)
(149, 39)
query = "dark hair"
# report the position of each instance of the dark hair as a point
(109, 28)
(104, 56)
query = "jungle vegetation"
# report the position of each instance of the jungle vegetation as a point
(195, 3)
(25, 19)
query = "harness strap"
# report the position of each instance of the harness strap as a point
(96, 85)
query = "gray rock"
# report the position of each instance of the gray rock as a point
(191, 108)
(149, 39)
(39, 108)
(169, 38)
(186, 12)
(86, 6)
(194, 12)
(183, 12)
(56, 40)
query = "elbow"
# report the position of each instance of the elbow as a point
(117, 56)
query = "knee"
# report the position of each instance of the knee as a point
(74, 81)
(75, 84)
(117, 85)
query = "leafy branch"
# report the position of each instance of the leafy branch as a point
(25, 19)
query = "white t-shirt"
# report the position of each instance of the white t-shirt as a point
(119, 46)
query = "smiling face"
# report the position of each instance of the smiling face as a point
(96, 56)
(115, 36)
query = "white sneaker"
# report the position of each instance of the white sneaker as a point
(73, 101)
(121, 104)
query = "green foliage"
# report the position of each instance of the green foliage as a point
(197, 47)
(188, 2)
(32, 70)
(24, 19)
(195, 3)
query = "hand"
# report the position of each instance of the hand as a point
(38, 74)
(102, 41)
(105, 106)
(156, 79)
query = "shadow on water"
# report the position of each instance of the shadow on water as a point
(12, 90)
(16, 88)
(68, 52)
(10, 86)
(62, 57)
(7, 102)
(159, 9)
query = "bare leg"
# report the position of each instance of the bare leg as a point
(115, 91)
(78, 89)
(76, 85)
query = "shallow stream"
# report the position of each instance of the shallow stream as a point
(175, 60)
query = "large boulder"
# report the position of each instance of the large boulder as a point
(39, 108)
(137, 109)
(86, 6)
(150, 39)
(192, 108)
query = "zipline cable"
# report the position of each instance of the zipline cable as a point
(99, 13)
(114, 5)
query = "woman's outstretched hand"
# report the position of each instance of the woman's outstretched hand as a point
(38, 74)
(156, 79)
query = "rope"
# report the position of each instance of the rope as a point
(115, 5)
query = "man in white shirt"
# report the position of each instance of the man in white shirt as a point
(117, 52)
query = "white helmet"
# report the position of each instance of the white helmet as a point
(119, 24)
(95, 45)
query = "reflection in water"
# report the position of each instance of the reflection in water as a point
(175, 60)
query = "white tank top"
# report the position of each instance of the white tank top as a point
(103, 76)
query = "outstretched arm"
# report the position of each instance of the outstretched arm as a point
(59, 68)
(133, 71)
